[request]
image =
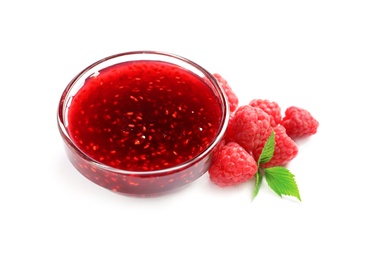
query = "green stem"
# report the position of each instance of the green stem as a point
(261, 170)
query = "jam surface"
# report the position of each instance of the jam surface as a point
(144, 116)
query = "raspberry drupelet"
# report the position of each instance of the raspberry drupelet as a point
(299, 122)
(231, 165)
(285, 149)
(232, 97)
(269, 107)
(249, 127)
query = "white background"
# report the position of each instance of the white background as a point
(311, 54)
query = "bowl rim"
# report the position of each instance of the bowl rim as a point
(68, 140)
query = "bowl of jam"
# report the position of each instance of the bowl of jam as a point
(142, 123)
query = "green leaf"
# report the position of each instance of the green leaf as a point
(268, 150)
(282, 181)
(258, 182)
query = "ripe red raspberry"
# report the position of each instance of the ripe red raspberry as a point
(269, 107)
(228, 136)
(231, 165)
(232, 98)
(299, 122)
(249, 127)
(285, 149)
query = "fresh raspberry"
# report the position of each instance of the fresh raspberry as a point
(231, 165)
(285, 149)
(249, 127)
(299, 122)
(232, 97)
(269, 107)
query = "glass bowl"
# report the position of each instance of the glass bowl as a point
(142, 123)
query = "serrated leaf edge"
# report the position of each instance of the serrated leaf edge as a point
(268, 150)
(258, 182)
(268, 175)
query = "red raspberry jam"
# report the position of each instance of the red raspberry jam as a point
(143, 116)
